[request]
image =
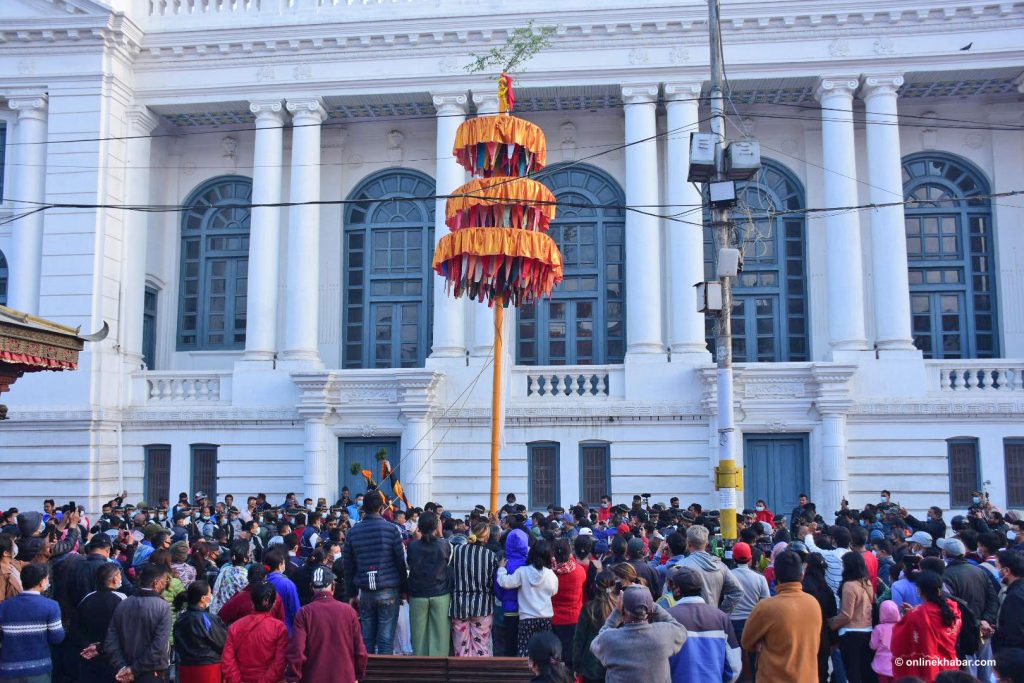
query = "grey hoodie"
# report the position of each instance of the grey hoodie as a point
(720, 587)
(638, 651)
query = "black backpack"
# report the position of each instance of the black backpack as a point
(968, 641)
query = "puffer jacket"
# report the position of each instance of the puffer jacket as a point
(720, 587)
(199, 637)
(374, 557)
(255, 650)
(972, 585)
(517, 546)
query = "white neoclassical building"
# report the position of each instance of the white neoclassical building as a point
(879, 316)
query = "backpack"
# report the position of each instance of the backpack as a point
(968, 641)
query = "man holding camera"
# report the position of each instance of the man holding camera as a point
(637, 640)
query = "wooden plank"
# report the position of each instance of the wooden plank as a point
(389, 668)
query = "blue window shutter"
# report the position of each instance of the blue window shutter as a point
(950, 253)
(584, 321)
(388, 281)
(213, 283)
(770, 311)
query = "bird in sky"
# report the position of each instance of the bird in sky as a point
(967, 47)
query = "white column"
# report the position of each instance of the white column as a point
(141, 123)
(265, 231)
(315, 465)
(833, 462)
(303, 279)
(486, 103)
(416, 473)
(449, 313)
(888, 241)
(643, 248)
(685, 241)
(29, 185)
(842, 230)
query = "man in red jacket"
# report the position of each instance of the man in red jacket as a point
(327, 641)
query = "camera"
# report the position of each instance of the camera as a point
(645, 495)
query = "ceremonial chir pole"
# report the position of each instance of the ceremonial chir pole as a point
(498, 249)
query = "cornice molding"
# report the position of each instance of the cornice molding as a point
(141, 119)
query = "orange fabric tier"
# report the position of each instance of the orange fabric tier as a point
(512, 265)
(500, 145)
(501, 202)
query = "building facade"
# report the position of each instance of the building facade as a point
(246, 192)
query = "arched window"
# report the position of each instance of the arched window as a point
(769, 322)
(3, 279)
(584, 321)
(388, 246)
(948, 221)
(214, 265)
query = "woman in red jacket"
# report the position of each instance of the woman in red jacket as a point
(924, 640)
(255, 650)
(762, 513)
(568, 601)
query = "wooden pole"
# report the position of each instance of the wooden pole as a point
(496, 415)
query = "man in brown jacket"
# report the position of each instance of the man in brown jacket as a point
(784, 630)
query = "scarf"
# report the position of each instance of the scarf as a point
(567, 567)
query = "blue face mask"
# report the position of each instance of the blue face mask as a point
(975, 500)
(879, 516)
(863, 522)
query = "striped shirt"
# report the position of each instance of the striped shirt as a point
(30, 624)
(473, 570)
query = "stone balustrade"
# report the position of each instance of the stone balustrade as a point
(187, 387)
(556, 383)
(979, 376)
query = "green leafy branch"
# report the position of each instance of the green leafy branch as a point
(522, 44)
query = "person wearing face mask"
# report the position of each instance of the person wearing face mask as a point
(140, 628)
(199, 636)
(92, 620)
(355, 508)
(762, 513)
(232, 577)
(10, 577)
(933, 524)
(605, 513)
(1010, 624)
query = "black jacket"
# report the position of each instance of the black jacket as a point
(93, 617)
(81, 577)
(428, 567)
(199, 637)
(650, 575)
(974, 586)
(140, 633)
(1010, 630)
(935, 527)
(303, 580)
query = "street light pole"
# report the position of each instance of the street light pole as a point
(727, 480)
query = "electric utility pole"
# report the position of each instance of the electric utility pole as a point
(727, 479)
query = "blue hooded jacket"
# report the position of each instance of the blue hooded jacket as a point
(517, 546)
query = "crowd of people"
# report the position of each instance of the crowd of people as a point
(203, 591)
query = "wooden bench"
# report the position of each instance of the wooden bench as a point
(391, 668)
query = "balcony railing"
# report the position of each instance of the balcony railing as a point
(187, 387)
(975, 376)
(567, 382)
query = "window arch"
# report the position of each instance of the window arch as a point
(388, 247)
(770, 317)
(214, 265)
(584, 321)
(948, 221)
(3, 279)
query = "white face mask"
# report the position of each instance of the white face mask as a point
(14, 550)
(1011, 535)
(336, 556)
(759, 508)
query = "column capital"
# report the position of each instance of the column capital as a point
(836, 85)
(640, 94)
(141, 120)
(450, 103)
(28, 105)
(682, 92)
(486, 100)
(881, 84)
(267, 110)
(306, 108)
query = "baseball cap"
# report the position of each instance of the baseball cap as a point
(623, 528)
(636, 600)
(322, 577)
(586, 531)
(741, 552)
(952, 546)
(635, 547)
(921, 538)
(686, 579)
